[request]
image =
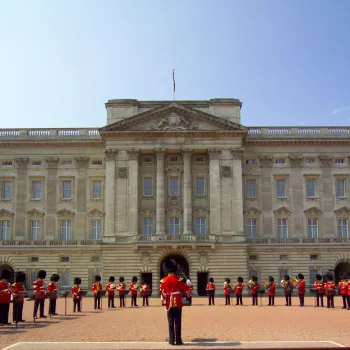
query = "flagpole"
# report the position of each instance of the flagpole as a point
(173, 84)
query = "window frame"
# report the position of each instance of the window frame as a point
(8, 229)
(346, 226)
(3, 191)
(280, 234)
(70, 228)
(94, 181)
(344, 180)
(311, 226)
(175, 225)
(63, 181)
(98, 236)
(315, 189)
(200, 225)
(147, 222)
(64, 277)
(197, 194)
(249, 227)
(38, 228)
(255, 194)
(278, 180)
(177, 178)
(144, 187)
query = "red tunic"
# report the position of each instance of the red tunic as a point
(227, 289)
(329, 286)
(272, 290)
(210, 287)
(343, 288)
(144, 288)
(110, 288)
(18, 290)
(348, 285)
(290, 284)
(133, 288)
(52, 288)
(171, 289)
(239, 288)
(255, 289)
(96, 287)
(75, 290)
(319, 287)
(40, 288)
(5, 292)
(301, 287)
(121, 287)
(189, 292)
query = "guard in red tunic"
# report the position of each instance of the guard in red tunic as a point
(145, 289)
(348, 285)
(5, 297)
(239, 290)
(172, 290)
(271, 291)
(110, 288)
(211, 291)
(343, 291)
(96, 287)
(121, 288)
(319, 288)
(288, 286)
(330, 291)
(133, 287)
(254, 288)
(18, 291)
(40, 291)
(227, 291)
(75, 294)
(301, 288)
(189, 292)
(52, 288)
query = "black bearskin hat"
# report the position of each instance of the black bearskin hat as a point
(121, 279)
(254, 278)
(6, 274)
(318, 277)
(55, 277)
(77, 280)
(286, 278)
(134, 279)
(271, 279)
(348, 276)
(329, 277)
(97, 278)
(240, 279)
(211, 279)
(111, 279)
(300, 276)
(169, 265)
(20, 277)
(227, 280)
(41, 274)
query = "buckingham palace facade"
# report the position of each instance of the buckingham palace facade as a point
(175, 178)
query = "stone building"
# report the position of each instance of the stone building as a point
(183, 179)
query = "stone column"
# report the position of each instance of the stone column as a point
(133, 191)
(187, 191)
(214, 191)
(160, 210)
(237, 156)
(110, 193)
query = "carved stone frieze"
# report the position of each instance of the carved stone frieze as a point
(326, 161)
(52, 162)
(237, 153)
(174, 211)
(110, 153)
(147, 212)
(34, 212)
(343, 211)
(265, 161)
(203, 258)
(282, 211)
(200, 212)
(21, 162)
(65, 212)
(145, 259)
(313, 211)
(187, 153)
(174, 122)
(295, 161)
(82, 162)
(214, 153)
(5, 213)
(95, 213)
(160, 153)
(122, 172)
(225, 171)
(252, 212)
(133, 154)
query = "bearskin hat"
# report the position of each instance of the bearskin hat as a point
(240, 279)
(300, 276)
(271, 279)
(227, 280)
(169, 265)
(134, 279)
(77, 280)
(318, 277)
(41, 274)
(121, 279)
(97, 278)
(55, 277)
(20, 277)
(254, 278)
(211, 279)
(329, 277)
(348, 276)
(286, 278)
(111, 279)
(6, 274)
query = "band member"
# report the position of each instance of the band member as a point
(319, 287)
(75, 294)
(288, 289)
(171, 290)
(189, 292)
(110, 288)
(133, 287)
(145, 288)
(40, 291)
(121, 288)
(96, 287)
(343, 291)
(330, 291)
(211, 291)
(239, 290)
(227, 291)
(5, 297)
(254, 288)
(301, 288)
(52, 288)
(348, 285)
(271, 291)
(19, 291)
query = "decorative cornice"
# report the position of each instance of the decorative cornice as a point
(200, 211)
(295, 161)
(326, 161)
(52, 162)
(82, 162)
(35, 212)
(96, 213)
(147, 212)
(265, 161)
(6, 213)
(313, 211)
(214, 153)
(133, 154)
(174, 211)
(252, 211)
(122, 172)
(65, 212)
(110, 153)
(237, 153)
(282, 211)
(160, 153)
(21, 162)
(290, 141)
(187, 153)
(343, 211)
(225, 171)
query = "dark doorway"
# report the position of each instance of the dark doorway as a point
(147, 277)
(341, 271)
(181, 261)
(8, 267)
(202, 280)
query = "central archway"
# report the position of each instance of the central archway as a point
(8, 267)
(180, 260)
(341, 270)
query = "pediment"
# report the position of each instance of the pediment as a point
(35, 212)
(174, 211)
(343, 211)
(173, 117)
(6, 213)
(147, 212)
(95, 212)
(200, 211)
(65, 212)
(313, 211)
(252, 211)
(282, 211)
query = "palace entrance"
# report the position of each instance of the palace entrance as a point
(181, 261)
(8, 267)
(341, 270)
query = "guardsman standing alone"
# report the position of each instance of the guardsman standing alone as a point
(239, 290)
(211, 291)
(110, 288)
(301, 289)
(271, 291)
(319, 287)
(5, 297)
(52, 288)
(40, 291)
(19, 291)
(96, 287)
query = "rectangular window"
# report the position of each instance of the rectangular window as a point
(281, 188)
(7, 163)
(67, 163)
(147, 160)
(174, 226)
(313, 257)
(34, 259)
(280, 161)
(199, 159)
(200, 226)
(310, 187)
(340, 187)
(67, 189)
(250, 161)
(147, 186)
(340, 161)
(251, 188)
(65, 283)
(35, 230)
(310, 161)
(95, 259)
(6, 190)
(66, 230)
(282, 228)
(147, 226)
(200, 186)
(174, 186)
(313, 274)
(96, 162)
(283, 257)
(97, 189)
(37, 162)
(343, 228)
(312, 228)
(5, 230)
(96, 226)
(283, 272)
(252, 228)
(64, 258)
(36, 189)
(252, 257)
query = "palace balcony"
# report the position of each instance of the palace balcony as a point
(176, 238)
(45, 243)
(301, 241)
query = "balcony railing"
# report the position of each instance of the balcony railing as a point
(298, 240)
(175, 238)
(86, 242)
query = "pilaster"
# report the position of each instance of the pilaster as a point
(214, 191)
(237, 156)
(133, 191)
(187, 192)
(160, 211)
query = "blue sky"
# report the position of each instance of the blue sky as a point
(287, 61)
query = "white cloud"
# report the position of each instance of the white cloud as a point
(341, 110)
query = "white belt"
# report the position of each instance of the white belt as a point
(175, 293)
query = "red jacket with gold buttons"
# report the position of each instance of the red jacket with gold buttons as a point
(110, 290)
(96, 287)
(329, 286)
(272, 290)
(255, 289)
(343, 288)
(301, 287)
(5, 292)
(18, 290)
(172, 289)
(75, 290)
(133, 287)
(52, 288)
(40, 288)
(239, 288)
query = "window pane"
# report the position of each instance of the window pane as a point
(147, 186)
(342, 228)
(66, 227)
(282, 228)
(174, 226)
(5, 230)
(283, 272)
(311, 188)
(174, 186)
(96, 229)
(147, 226)
(65, 279)
(6, 190)
(200, 190)
(281, 191)
(67, 189)
(312, 228)
(35, 230)
(340, 188)
(36, 189)
(251, 188)
(252, 228)
(200, 226)
(97, 188)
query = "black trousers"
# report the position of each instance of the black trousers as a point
(227, 300)
(255, 299)
(77, 305)
(348, 297)
(330, 301)
(17, 312)
(110, 301)
(288, 297)
(344, 297)
(190, 300)
(52, 306)
(174, 321)
(4, 313)
(122, 300)
(301, 299)
(319, 297)
(38, 302)
(145, 299)
(211, 300)
(97, 299)
(271, 300)
(134, 300)
(238, 299)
